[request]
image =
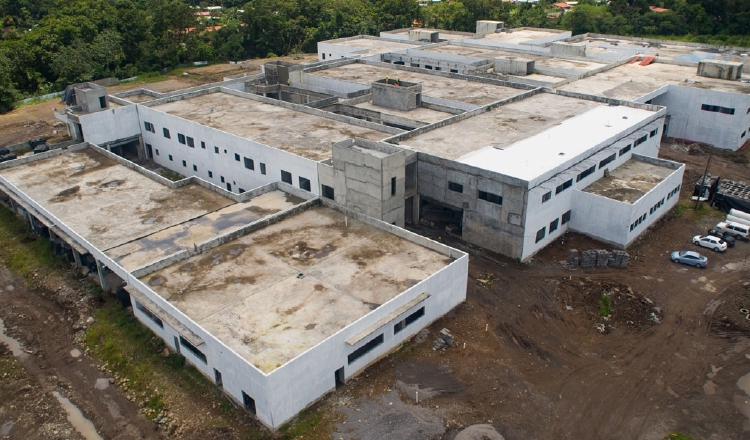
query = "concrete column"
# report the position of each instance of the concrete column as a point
(102, 275)
(77, 258)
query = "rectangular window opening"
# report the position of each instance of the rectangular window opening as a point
(248, 402)
(286, 177)
(490, 197)
(546, 196)
(327, 192)
(181, 138)
(625, 149)
(203, 145)
(608, 160)
(193, 349)
(150, 314)
(564, 186)
(249, 163)
(166, 133)
(455, 187)
(586, 173)
(566, 217)
(304, 183)
(262, 168)
(553, 225)
(393, 186)
(363, 350)
(540, 234)
(216, 149)
(190, 142)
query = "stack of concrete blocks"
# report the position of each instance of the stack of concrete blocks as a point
(573, 258)
(396, 94)
(369, 177)
(568, 50)
(424, 35)
(720, 69)
(489, 27)
(597, 258)
(619, 259)
(602, 258)
(514, 66)
(588, 259)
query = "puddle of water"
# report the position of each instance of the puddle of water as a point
(15, 347)
(102, 383)
(76, 418)
(6, 428)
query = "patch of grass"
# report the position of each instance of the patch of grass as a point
(605, 307)
(687, 209)
(303, 426)
(171, 175)
(677, 436)
(24, 253)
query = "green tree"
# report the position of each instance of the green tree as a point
(396, 14)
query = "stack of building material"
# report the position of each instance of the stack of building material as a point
(588, 259)
(602, 258)
(619, 259)
(573, 258)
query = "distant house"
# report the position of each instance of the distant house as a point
(563, 6)
(658, 9)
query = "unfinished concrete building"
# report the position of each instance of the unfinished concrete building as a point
(506, 138)
(275, 295)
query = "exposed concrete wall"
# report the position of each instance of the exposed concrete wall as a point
(110, 125)
(688, 121)
(395, 94)
(488, 225)
(514, 66)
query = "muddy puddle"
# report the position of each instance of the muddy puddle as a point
(15, 347)
(77, 419)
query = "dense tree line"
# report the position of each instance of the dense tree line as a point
(48, 44)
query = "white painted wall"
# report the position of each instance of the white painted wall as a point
(539, 215)
(688, 121)
(306, 378)
(609, 220)
(110, 125)
(221, 164)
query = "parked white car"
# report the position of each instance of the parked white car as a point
(738, 230)
(716, 244)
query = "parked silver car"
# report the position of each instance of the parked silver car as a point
(690, 258)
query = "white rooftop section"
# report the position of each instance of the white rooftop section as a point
(534, 157)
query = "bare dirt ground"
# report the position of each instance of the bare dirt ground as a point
(37, 120)
(45, 321)
(675, 355)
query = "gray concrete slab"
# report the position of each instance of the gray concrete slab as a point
(303, 134)
(105, 202)
(278, 291)
(432, 85)
(630, 181)
(171, 240)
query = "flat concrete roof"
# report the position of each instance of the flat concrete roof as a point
(277, 292)
(105, 202)
(544, 61)
(373, 45)
(535, 157)
(518, 36)
(611, 47)
(186, 235)
(500, 127)
(442, 34)
(418, 114)
(303, 134)
(630, 181)
(436, 86)
(631, 81)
